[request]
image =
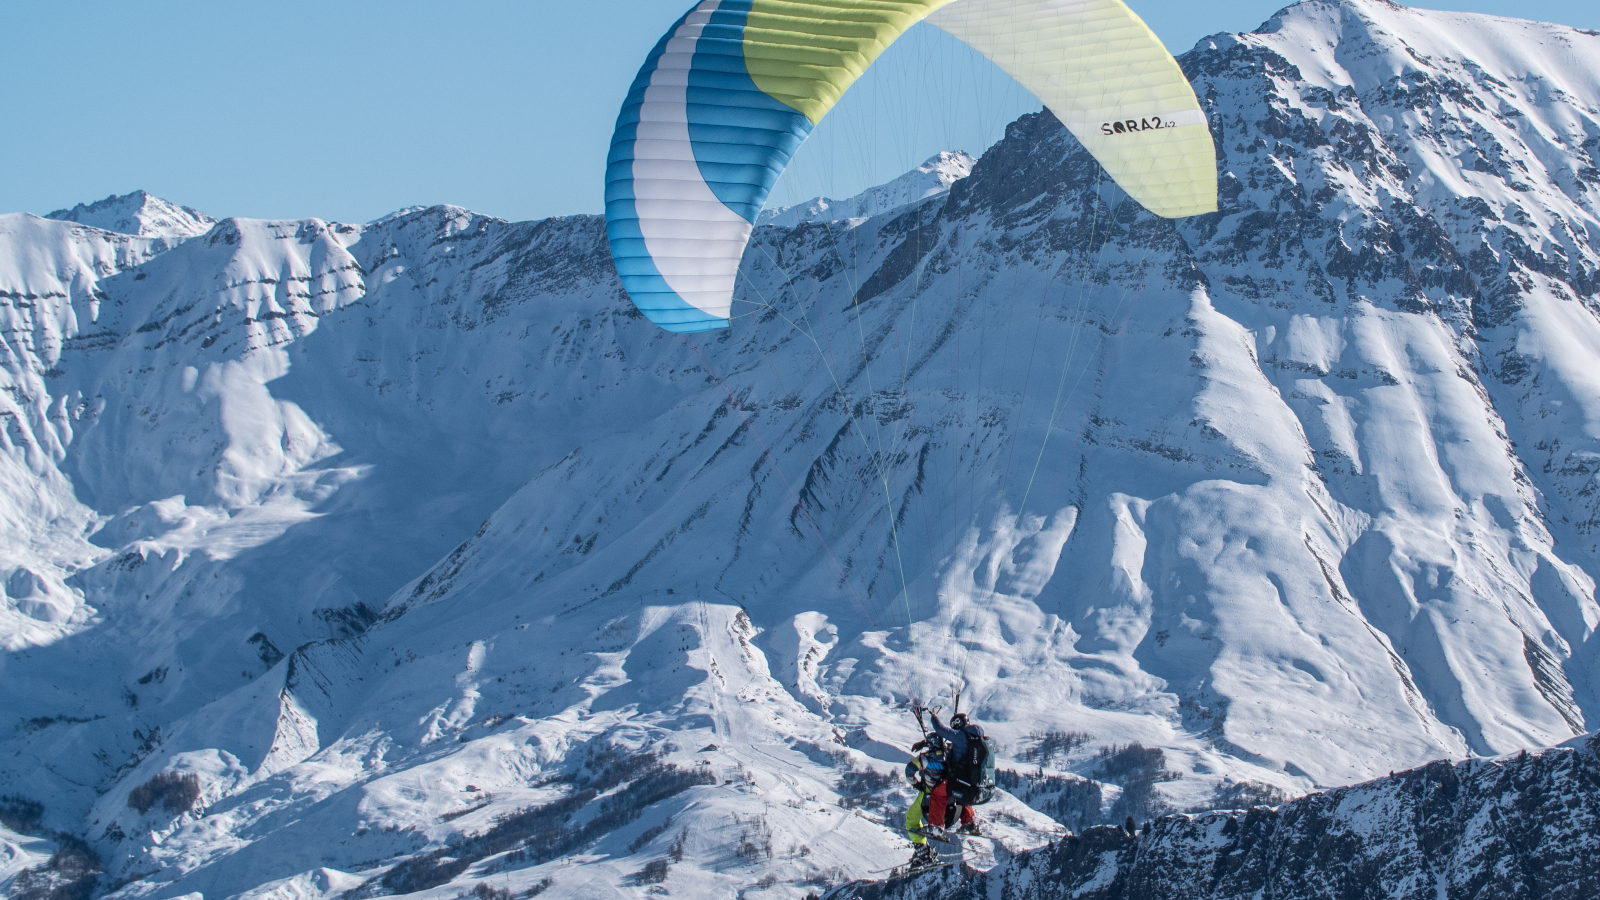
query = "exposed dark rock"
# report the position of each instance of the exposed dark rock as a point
(1526, 826)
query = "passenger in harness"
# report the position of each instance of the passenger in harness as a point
(924, 773)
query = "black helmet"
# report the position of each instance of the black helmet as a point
(958, 721)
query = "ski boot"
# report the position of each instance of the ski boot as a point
(922, 858)
(971, 828)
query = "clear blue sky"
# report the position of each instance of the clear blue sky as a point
(349, 109)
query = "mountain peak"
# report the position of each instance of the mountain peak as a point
(1378, 38)
(139, 213)
(927, 180)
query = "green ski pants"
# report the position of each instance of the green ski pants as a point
(914, 818)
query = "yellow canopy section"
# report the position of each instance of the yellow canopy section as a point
(1107, 77)
(1094, 64)
(806, 53)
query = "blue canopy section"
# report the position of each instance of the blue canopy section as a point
(636, 267)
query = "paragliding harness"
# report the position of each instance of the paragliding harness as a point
(972, 775)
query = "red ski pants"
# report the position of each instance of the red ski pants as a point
(938, 801)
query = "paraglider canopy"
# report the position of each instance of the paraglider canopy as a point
(726, 98)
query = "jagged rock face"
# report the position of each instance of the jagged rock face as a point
(384, 532)
(1520, 827)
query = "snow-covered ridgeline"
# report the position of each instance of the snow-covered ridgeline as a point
(376, 528)
(931, 179)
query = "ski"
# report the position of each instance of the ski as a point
(902, 871)
(948, 837)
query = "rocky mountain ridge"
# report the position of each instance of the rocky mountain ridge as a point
(1522, 826)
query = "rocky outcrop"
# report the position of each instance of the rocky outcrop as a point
(1524, 826)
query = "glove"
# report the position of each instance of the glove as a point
(918, 745)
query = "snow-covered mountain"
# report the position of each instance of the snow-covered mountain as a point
(926, 181)
(369, 559)
(139, 214)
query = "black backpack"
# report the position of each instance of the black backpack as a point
(972, 774)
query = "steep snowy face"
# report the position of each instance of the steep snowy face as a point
(433, 563)
(139, 214)
(50, 300)
(1411, 197)
(930, 179)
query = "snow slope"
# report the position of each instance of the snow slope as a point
(386, 532)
